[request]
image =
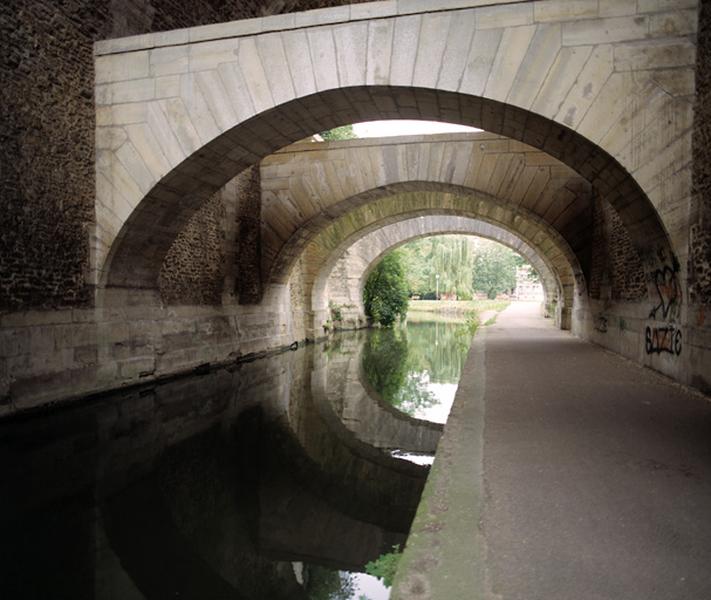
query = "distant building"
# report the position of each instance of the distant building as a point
(527, 286)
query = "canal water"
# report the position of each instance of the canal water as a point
(274, 479)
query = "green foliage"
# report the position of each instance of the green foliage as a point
(399, 363)
(336, 313)
(386, 295)
(324, 584)
(339, 133)
(464, 265)
(448, 256)
(385, 566)
(473, 321)
(387, 368)
(494, 270)
(384, 361)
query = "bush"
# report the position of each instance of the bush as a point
(385, 566)
(386, 293)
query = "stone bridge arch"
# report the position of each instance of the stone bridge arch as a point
(181, 113)
(343, 277)
(306, 187)
(322, 246)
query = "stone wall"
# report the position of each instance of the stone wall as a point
(47, 131)
(193, 271)
(616, 271)
(700, 245)
(249, 246)
(217, 254)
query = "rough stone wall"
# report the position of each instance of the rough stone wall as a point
(700, 239)
(616, 271)
(249, 225)
(218, 250)
(193, 271)
(46, 150)
(47, 130)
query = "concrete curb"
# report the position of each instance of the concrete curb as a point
(446, 549)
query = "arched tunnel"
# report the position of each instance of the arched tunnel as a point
(210, 222)
(184, 220)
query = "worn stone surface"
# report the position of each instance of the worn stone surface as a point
(307, 186)
(231, 90)
(248, 258)
(47, 131)
(227, 229)
(193, 270)
(700, 242)
(616, 270)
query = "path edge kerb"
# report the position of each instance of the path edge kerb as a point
(445, 553)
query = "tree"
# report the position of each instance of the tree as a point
(339, 133)
(494, 270)
(326, 584)
(386, 294)
(447, 256)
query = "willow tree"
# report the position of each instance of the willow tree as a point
(441, 262)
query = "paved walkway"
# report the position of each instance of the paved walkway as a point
(565, 473)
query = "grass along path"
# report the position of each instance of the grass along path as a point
(479, 311)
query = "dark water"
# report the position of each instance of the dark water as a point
(272, 479)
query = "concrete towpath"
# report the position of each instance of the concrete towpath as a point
(565, 473)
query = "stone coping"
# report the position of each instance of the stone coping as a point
(539, 11)
(310, 145)
(445, 552)
(284, 22)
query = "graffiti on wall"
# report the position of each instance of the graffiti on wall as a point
(658, 340)
(666, 292)
(601, 323)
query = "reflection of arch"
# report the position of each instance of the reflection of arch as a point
(361, 481)
(361, 410)
(243, 96)
(365, 253)
(315, 475)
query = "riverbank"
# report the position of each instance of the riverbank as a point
(455, 310)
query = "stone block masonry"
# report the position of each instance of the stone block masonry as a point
(700, 246)
(47, 123)
(606, 88)
(217, 255)
(193, 270)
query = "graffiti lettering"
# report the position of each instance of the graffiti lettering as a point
(668, 291)
(662, 339)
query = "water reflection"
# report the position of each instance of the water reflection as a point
(416, 368)
(248, 483)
